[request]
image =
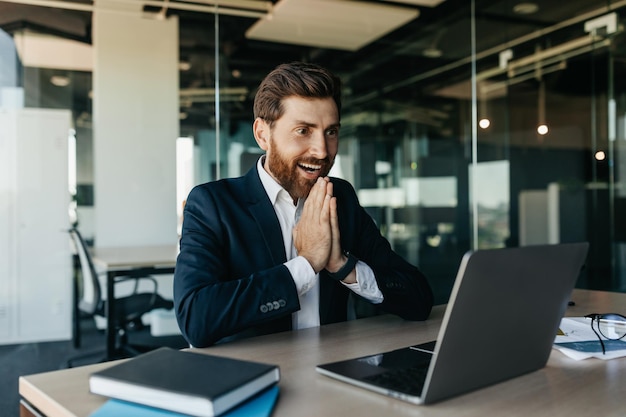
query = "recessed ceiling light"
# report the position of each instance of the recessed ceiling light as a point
(432, 52)
(60, 80)
(525, 8)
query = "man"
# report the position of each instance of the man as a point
(283, 246)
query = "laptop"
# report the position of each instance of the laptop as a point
(500, 322)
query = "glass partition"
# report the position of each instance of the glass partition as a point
(613, 160)
(405, 139)
(550, 98)
(42, 69)
(436, 181)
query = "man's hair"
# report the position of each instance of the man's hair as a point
(294, 79)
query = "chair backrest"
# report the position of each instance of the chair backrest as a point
(89, 291)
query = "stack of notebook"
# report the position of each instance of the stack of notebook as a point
(169, 382)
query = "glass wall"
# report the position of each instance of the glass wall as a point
(39, 69)
(440, 122)
(551, 98)
(405, 143)
(614, 162)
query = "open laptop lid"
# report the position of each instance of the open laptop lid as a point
(502, 317)
(500, 322)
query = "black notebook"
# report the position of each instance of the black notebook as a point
(193, 383)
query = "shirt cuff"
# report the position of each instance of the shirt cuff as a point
(302, 273)
(366, 285)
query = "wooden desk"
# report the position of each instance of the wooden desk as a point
(564, 388)
(123, 261)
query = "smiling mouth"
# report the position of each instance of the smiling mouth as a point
(310, 167)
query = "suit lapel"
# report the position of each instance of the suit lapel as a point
(261, 209)
(332, 295)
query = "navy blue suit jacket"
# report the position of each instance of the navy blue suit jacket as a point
(230, 281)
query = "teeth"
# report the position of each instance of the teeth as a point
(313, 167)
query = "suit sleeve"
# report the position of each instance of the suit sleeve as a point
(406, 290)
(224, 282)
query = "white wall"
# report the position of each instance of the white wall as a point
(135, 85)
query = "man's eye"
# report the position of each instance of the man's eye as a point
(302, 131)
(332, 132)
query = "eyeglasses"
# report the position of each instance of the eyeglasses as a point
(611, 326)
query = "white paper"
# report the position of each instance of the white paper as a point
(579, 342)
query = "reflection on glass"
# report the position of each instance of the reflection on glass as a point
(492, 196)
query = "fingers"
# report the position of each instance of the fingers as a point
(317, 235)
(320, 196)
(325, 214)
(334, 222)
(336, 253)
(312, 235)
(332, 211)
(316, 208)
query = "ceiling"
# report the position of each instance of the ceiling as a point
(406, 49)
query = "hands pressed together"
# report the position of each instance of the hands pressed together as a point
(316, 235)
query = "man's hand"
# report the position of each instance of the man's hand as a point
(316, 236)
(312, 235)
(337, 258)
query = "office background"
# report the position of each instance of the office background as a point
(442, 106)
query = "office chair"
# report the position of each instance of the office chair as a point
(89, 303)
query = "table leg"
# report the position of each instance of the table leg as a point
(76, 335)
(110, 313)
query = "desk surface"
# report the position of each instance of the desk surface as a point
(564, 387)
(135, 257)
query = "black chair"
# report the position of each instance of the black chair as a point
(128, 309)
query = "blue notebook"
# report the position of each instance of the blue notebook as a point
(260, 405)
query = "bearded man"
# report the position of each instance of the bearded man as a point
(284, 246)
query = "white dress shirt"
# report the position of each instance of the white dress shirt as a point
(304, 276)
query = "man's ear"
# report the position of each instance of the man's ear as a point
(261, 132)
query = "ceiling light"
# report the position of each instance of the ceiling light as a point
(432, 53)
(184, 65)
(542, 129)
(344, 25)
(427, 3)
(525, 8)
(60, 80)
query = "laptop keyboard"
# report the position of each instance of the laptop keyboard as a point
(406, 380)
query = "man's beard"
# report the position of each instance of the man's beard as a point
(286, 172)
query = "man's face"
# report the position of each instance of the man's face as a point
(303, 144)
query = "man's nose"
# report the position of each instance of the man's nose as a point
(319, 148)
